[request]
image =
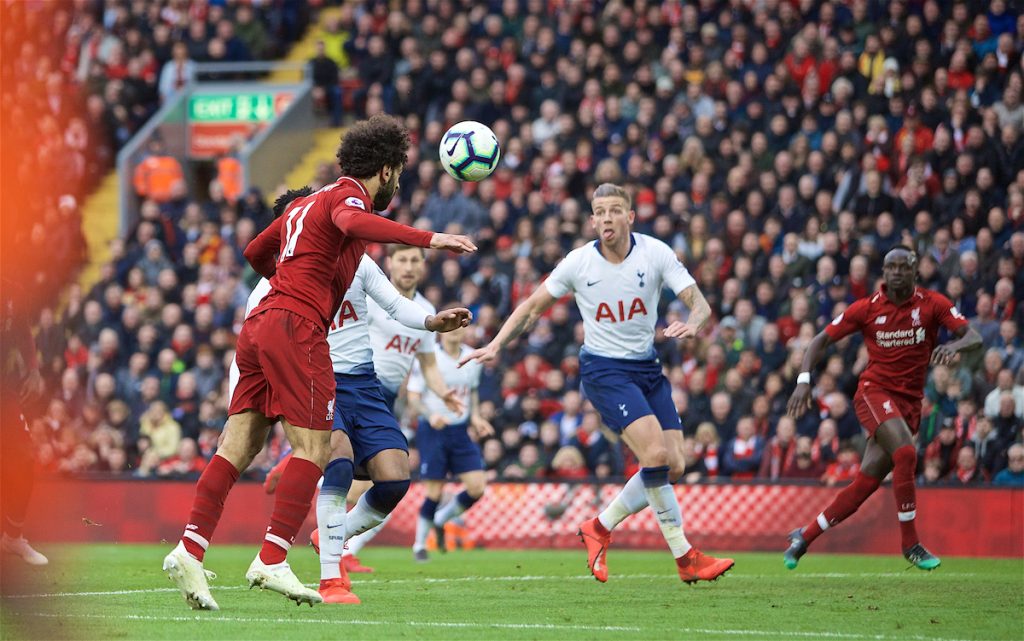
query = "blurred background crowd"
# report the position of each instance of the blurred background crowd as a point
(780, 147)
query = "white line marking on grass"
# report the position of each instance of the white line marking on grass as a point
(196, 618)
(526, 577)
(418, 624)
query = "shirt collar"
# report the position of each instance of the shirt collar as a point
(632, 244)
(883, 292)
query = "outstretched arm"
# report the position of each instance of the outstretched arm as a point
(801, 400)
(521, 319)
(405, 311)
(700, 312)
(435, 382)
(967, 338)
(377, 229)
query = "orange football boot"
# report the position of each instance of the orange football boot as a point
(597, 548)
(696, 566)
(336, 591)
(352, 564)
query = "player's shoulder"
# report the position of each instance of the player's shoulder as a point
(580, 256)
(344, 191)
(931, 296)
(422, 301)
(651, 244)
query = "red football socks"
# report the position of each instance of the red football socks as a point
(904, 461)
(217, 480)
(294, 494)
(845, 504)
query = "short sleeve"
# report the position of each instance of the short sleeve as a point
(946, 313)
(850, 321)
(426, 344)
(474, 376)
(673, 273)
(560, 282)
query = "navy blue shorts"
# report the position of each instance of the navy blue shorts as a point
(623, 390)
(389, 398)
(362, 411)
(448, 450)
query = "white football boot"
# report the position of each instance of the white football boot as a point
(188, 574)
(19, 547)
(280, 578)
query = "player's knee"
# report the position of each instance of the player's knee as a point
(385, 496)
(675, 471)
(655, 456)
(905, 457)
(476, 489)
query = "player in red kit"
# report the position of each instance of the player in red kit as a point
(22, 386)
(900, 324)
(285, 370)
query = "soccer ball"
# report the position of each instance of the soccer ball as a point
(469, 151)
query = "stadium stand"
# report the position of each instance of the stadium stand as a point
(781, 148)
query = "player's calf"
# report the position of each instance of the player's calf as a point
(375, 505)
(330, 516)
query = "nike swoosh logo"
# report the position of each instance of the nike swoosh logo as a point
(591, 284)
(659, 513)
(331, 527)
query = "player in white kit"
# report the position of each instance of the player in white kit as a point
(395, 349)
(443, 438)
(617, 282)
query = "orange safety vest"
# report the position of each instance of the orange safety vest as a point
(156, 176)
(229, 174)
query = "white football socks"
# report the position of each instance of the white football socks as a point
(630, 500)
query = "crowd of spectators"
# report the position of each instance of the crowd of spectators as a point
(781, 148)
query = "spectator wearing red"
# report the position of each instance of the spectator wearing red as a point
(742, 454)
(844, 469)
(780, 450)
(945, 448)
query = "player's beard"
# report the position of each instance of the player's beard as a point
(385, 193)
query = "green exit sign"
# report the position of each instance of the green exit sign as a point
(246, 107)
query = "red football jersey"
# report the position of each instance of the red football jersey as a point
(900, 339)
(319, 241)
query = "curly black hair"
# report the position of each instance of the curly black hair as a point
(370, 145)
(287, 197)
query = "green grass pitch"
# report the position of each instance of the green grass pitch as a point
(119, 592)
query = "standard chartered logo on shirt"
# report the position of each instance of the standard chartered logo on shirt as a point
(900, 337)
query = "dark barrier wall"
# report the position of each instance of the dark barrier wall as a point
(958, 522)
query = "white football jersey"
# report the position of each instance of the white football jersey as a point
(463, 380)
(349, 335)
(619, 303)
(395, 346)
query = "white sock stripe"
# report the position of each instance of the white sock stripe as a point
(906, 516)
(278, 541)
(822, 522)
(192, 536)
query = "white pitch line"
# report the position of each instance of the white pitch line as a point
(528, 577)
(292, 621)
(510, 626)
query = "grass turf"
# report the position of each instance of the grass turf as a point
(119, 592)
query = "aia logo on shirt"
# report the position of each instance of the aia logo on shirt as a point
(607, 312)
(347, 312)
(403, 344)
